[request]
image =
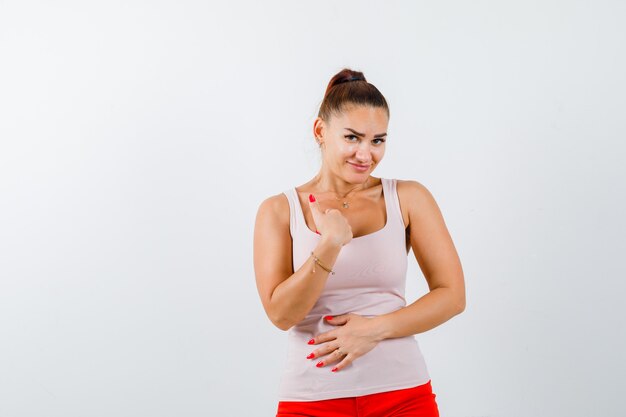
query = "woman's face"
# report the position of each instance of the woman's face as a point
(353, 143)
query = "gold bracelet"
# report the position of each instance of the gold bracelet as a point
(317, 261)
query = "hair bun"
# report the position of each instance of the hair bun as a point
(347, 79)
(341, 92)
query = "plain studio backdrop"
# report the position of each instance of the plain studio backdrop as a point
(139, 138)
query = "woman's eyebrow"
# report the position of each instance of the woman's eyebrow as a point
(363, 134)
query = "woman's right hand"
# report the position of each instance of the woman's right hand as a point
(330, 223)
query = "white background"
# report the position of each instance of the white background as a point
(137, 139)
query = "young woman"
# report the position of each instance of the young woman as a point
(330, 258)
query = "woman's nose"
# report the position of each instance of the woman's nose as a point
(363, 152)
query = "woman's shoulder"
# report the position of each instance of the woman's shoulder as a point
(412, 188)
(275, 208)
(276, 202)
(413, 196)
(409, 182)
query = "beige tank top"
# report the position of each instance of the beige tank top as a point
(370, 279)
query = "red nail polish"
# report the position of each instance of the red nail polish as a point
(320, 364)
(311, 356)
(311, 198)
(318, 232)
(328, 318)
(334, 369)
(312, 342)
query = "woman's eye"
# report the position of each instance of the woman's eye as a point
(380, 140)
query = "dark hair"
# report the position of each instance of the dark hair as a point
(349, 87)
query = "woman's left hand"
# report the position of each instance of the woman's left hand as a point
(356, 336)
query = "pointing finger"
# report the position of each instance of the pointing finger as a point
(315, 210)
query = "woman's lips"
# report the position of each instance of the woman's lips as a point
(360, 168)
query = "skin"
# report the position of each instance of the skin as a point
(288, 295)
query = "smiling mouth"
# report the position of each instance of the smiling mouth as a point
(359, 166)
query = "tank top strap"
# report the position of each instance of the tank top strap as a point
(392, 202)
(295, 211)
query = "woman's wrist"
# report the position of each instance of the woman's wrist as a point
(380, 327)
(325, 255)
(328, 243)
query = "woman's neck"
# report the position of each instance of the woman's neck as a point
(326, 183)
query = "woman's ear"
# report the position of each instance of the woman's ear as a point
(318, 130)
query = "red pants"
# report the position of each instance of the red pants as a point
(410, 402)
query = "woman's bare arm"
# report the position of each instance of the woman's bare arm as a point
(287, 296)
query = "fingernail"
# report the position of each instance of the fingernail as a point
(328, 318)
(311, 198)
(312, 342)
(311, 356)
(317, 232)
(320, 364)
(334, 369)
